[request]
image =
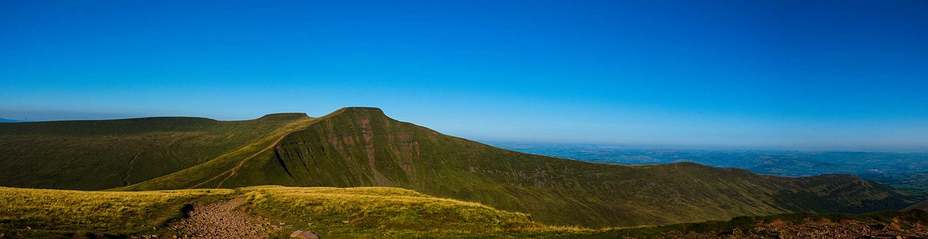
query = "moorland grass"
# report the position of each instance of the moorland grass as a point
(370, 212)
(380, 211)
(364, 212)
(94, 211)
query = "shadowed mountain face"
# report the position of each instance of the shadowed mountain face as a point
(363, 147)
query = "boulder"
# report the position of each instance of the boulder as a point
(304, 235)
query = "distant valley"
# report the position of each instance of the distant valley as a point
(905, 171)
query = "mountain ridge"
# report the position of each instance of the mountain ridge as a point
(362, 146)
(110, 153)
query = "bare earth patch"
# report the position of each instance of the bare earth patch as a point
(226, 219)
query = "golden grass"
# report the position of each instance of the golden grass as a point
(113, 212)
(364, 212)
(380, 209)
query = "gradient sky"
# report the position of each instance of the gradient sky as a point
(839, 75)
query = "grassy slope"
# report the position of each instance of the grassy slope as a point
(215, 172)
(363, 147)
(111, 153)
(382, 212)
(333, 212)
(50, 210)
(374, 212)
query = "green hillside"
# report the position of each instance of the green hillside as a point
(110, 153)
(362, 147)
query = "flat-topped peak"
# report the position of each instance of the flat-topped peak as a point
(369, 111)
(278, 116)
(360, 109)
(356, 113)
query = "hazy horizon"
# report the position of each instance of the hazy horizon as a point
(785, 74)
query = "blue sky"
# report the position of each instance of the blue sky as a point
(849, 75)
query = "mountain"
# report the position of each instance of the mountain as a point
(363, 147)
(100, 154)
(356, 146)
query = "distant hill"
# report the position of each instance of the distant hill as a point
(2, 120)
(363, 147)
(100, 154)
(907, 172)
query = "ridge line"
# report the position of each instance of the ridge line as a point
(301, 124)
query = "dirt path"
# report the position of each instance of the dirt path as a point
(278, 137)
(234, 170)
(125, 179)
(222, 220)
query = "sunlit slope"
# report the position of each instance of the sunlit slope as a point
(215, 172)
(51, 210)
(363, 147)
(369, 212)
(110, 153)
(333, 212)
(374, 212)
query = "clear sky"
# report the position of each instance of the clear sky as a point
(764, 74)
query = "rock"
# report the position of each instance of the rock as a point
(304, 235)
